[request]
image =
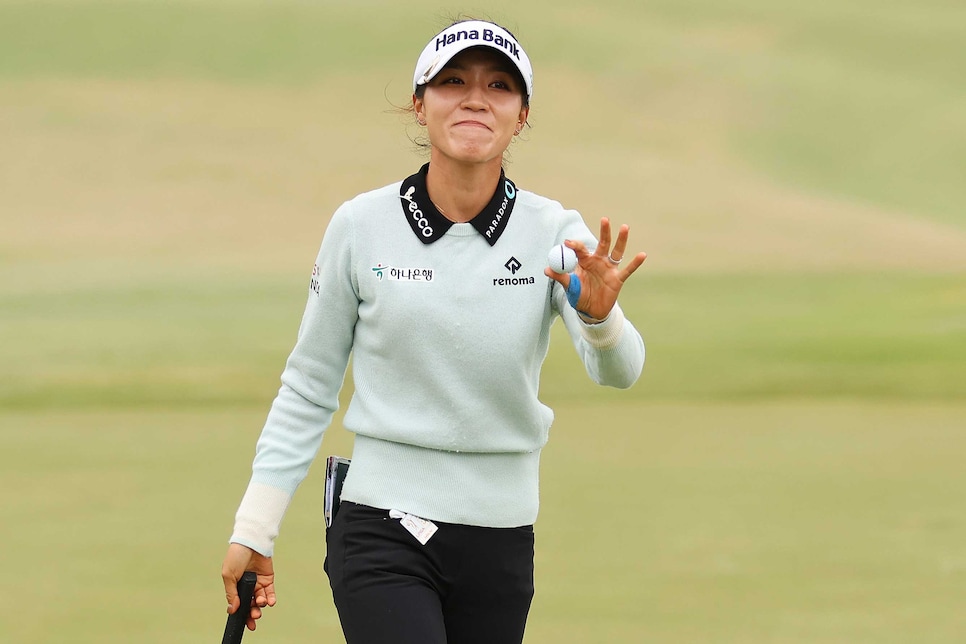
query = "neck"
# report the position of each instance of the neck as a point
(460, 191)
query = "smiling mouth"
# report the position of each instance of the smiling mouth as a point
(474, 124)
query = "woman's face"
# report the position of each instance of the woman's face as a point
(473, 107)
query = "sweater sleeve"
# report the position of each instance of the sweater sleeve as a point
(309, 394)
(612, 351)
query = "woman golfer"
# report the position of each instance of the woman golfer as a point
(438, 286)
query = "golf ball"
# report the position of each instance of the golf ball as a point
(562, 259)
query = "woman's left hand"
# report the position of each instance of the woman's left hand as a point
(600, 273)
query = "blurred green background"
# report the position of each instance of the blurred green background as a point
(789, 467)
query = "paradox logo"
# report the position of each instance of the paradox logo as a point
(513, 265)
(510, 192)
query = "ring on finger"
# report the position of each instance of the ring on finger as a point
(614, 261)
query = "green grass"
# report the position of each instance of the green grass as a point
(881, 336)
(739, 523)
(862, 100)
(735, 337)
(244, 42)
(791, 522)
(787, 470)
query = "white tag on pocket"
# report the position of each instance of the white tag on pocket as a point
(422, 529)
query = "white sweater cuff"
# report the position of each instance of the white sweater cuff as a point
(259, 517)
(606, 334)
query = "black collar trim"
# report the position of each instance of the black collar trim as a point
(429, 224)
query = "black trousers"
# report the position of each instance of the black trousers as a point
(467, 585)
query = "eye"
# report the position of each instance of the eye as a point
(451, 80)
(500, 85)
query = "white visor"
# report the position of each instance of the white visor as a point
(463, 35)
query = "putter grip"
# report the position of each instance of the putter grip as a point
(235, 627)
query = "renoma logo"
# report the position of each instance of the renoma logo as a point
(513, 265)
(421, 222)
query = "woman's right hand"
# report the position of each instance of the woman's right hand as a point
(239, 559)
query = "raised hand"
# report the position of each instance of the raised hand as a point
(600, 273)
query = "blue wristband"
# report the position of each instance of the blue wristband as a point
(573, 290)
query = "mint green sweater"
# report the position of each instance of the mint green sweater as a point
(447, 340)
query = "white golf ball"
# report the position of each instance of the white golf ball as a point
(562, 259)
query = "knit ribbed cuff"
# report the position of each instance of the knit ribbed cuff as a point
(488, 489)
(259, 517)
(606, 334)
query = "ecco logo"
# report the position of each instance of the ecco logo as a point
(421, 222)
(513, 265)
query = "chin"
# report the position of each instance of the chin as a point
(473, 154)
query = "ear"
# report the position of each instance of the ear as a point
(418, 106)
(524, 113)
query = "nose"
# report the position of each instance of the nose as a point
(475, 98)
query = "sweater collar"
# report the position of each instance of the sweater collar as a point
(429, 224)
